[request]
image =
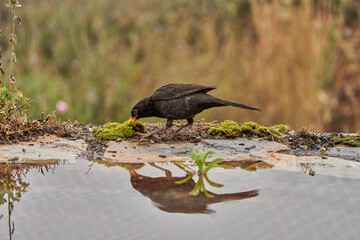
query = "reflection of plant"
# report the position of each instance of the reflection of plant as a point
(13, 186)
(200, 185)
(200, 158)
(11, 182)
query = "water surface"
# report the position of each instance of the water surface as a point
(85, 200)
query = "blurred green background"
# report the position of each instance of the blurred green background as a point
(297, 60)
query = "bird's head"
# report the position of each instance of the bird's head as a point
(142, 109)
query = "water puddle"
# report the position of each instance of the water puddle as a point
(272, 199)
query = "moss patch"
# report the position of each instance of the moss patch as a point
(229, 128)
(113, 131)
(232, 129)
(353, 141)
(281, 127)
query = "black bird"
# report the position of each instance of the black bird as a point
(179, 101)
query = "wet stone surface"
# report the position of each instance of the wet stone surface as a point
(44, 149)
(227, 149)
(349, 153)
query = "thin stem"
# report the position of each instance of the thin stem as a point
(1, 71)
(11, 83)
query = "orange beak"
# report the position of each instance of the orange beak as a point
(133, 120)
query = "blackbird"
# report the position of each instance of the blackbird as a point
(179, 101)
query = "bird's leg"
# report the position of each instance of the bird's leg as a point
(168, 125)
(167, 172)
(190, 123)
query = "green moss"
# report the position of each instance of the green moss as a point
(264, 130)
(113, 131)
(227, 127)
(275, 131)
(232, 129)
(251, 124)
(353, 141)
(281, 127)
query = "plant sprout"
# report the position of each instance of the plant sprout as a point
(200, 159)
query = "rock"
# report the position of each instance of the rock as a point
(227, 149)
(43, 150)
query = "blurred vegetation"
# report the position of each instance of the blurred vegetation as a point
(296, 60)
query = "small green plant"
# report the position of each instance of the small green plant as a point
(12, 104)
(200, 158)
(13, 114)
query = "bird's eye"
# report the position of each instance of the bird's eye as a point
(135, 111)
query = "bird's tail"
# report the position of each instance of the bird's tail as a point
(234, 104)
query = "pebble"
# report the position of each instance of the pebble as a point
(14, 159)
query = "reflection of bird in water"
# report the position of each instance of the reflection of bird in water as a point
(174, 198)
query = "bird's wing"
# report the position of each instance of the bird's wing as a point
(176, 90)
